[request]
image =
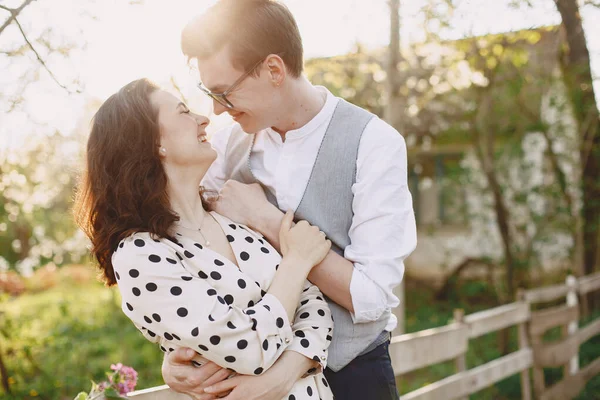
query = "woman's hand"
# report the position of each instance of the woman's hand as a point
(181, 376)
(303, 242)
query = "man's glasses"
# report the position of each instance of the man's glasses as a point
(221, 98)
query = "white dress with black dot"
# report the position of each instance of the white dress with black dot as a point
(183, 294)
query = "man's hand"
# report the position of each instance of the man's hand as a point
(245, 204)
(274, 384)
(181, 376)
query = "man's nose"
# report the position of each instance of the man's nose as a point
(218, 108)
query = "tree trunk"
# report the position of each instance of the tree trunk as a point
(578, 78)
(4, 374)
(393, 112)
(484, 148)
(502, 218)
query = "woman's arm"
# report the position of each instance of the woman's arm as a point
(312, 327)
(307, 354)
(173, 307)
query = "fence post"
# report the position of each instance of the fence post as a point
(524, 344)
(585, 308)
(573, 366)
(539, 384)
(460, 361)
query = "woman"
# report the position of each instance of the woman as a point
(189, 277)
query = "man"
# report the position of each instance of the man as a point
(332, 163)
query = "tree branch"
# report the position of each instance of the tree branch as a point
(443, 292)
(593, 3)
(40, 58)
(14, 12)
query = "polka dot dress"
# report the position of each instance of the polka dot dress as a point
(183, 294)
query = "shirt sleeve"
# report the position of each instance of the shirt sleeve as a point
(383, 231)
(215, 176)
(175, 308)
(312, 327)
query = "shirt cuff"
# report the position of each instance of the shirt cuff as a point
(270, 308)
(317, 354)
(368, 299)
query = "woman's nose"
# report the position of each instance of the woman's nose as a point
(202, 120)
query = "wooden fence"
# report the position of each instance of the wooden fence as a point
(564, 351)
(413, 351)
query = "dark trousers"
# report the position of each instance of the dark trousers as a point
(367, 377)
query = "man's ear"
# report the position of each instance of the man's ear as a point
(276, 69)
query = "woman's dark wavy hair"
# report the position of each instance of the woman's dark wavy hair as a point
(124, 186)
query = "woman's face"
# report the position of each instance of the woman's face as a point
(182, 133)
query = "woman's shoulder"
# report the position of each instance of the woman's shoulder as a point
(141, 243)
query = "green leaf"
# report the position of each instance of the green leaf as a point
(112, 394)
(81, 396)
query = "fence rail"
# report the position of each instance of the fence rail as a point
(417, 350)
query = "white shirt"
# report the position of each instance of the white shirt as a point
(383, 231)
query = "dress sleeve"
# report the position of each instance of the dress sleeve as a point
(312, 327)
(175, 308)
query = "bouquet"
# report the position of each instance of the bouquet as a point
(120, 381)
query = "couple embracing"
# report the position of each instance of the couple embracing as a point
(262, 262)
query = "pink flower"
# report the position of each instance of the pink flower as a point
(123, 379)
(122, 388)
(116, 367)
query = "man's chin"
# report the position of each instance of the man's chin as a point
(249, 127)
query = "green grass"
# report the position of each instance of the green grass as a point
(60, 339)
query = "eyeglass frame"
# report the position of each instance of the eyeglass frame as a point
(221, 98)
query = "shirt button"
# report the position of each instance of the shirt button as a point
(323, 358)
(287, 340)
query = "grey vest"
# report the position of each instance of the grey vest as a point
(327, 203)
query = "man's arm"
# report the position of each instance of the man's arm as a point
(382, 235)
(333, 275)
